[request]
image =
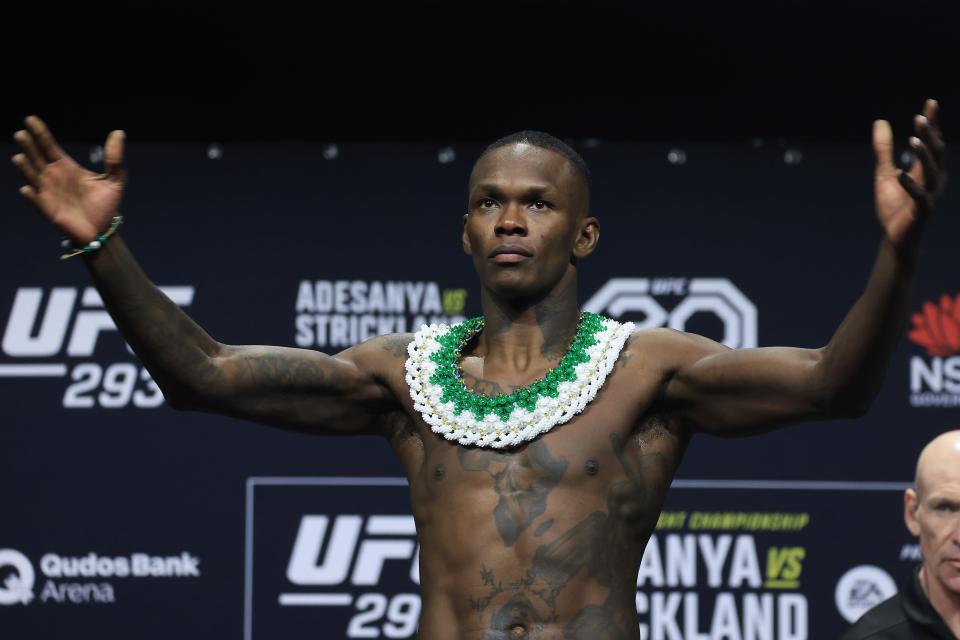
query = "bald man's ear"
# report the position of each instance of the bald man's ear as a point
(466, 241)
(588, 236)
(911, 502)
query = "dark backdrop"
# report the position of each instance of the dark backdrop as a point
(278, 146)
(248, 238)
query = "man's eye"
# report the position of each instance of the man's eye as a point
(486, 203)
(540, 204)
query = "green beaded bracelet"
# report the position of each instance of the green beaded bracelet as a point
(93, 245)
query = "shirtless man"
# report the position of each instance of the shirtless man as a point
(541, 538)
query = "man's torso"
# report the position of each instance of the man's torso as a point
(543, 540)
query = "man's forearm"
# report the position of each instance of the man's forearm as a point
(173, 347)
(854, 363)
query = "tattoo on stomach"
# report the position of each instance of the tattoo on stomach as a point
(521, 481)
(602, 547)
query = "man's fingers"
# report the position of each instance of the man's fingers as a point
(883, 148)
(29, 173)
(25, 140)
(930, 137)
(113, 152)
(916, 192)
(30, 194)
(48, 146)
(930, 173)
(931, 111)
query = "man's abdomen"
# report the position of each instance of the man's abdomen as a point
(494, 568)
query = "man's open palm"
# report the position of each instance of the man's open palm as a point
(77, 201)
(904, 199)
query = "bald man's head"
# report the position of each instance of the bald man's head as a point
(931, 510)
(939, 461)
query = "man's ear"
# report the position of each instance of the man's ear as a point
(911, 502)
(588, 236)
(467, 249)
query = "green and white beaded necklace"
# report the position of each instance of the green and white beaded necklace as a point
(457, 413)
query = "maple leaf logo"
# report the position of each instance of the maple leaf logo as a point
(937, 328)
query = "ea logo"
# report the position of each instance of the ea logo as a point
(18, 587)
(861, 589)
(700, 295)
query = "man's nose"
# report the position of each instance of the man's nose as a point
(511, 222)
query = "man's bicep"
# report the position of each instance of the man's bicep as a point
(735, 392)
(298, 389)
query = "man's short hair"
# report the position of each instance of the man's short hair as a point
(544, 141)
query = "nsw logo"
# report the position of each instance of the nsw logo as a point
(17, 587)
(935, 379)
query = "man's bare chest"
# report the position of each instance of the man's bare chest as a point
(545, 500)
(607, 459)
(611, 430)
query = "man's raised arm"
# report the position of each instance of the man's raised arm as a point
(739, 392)
(293, 388)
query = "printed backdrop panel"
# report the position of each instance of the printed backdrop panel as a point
(728, 560)
(125, 518)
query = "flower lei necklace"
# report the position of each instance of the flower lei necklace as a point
(457, 413)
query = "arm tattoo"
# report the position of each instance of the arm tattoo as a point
(284, 370)
(396, 344)
(625, 354)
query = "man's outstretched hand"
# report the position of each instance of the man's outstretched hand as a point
(904, 199)
(78, 202)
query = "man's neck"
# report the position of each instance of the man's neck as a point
(518, 335)
(944, 602)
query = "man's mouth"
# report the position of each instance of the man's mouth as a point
(510, 253)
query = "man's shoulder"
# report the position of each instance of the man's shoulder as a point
(886, 621)
(669, 338)
(394, 344)
(669, 348)
(380, 354)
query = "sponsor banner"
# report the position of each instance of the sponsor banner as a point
(92, 578)
(734, 559)
(337, 314)
(54, 332)
(340, 313)
(748, 559)
(935, 376)
(339, 554)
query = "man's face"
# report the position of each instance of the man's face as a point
(526, 220)
(932, 513)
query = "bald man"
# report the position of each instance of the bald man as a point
(928, 606)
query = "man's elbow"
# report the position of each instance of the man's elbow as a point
(853, 410)
(180, 402)
(182, 395)
(847, 404)
(194, 389)
(179, 398)
(840, 400)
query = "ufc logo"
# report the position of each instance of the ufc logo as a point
(20, 341)
(349, 535)
(620, 296)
